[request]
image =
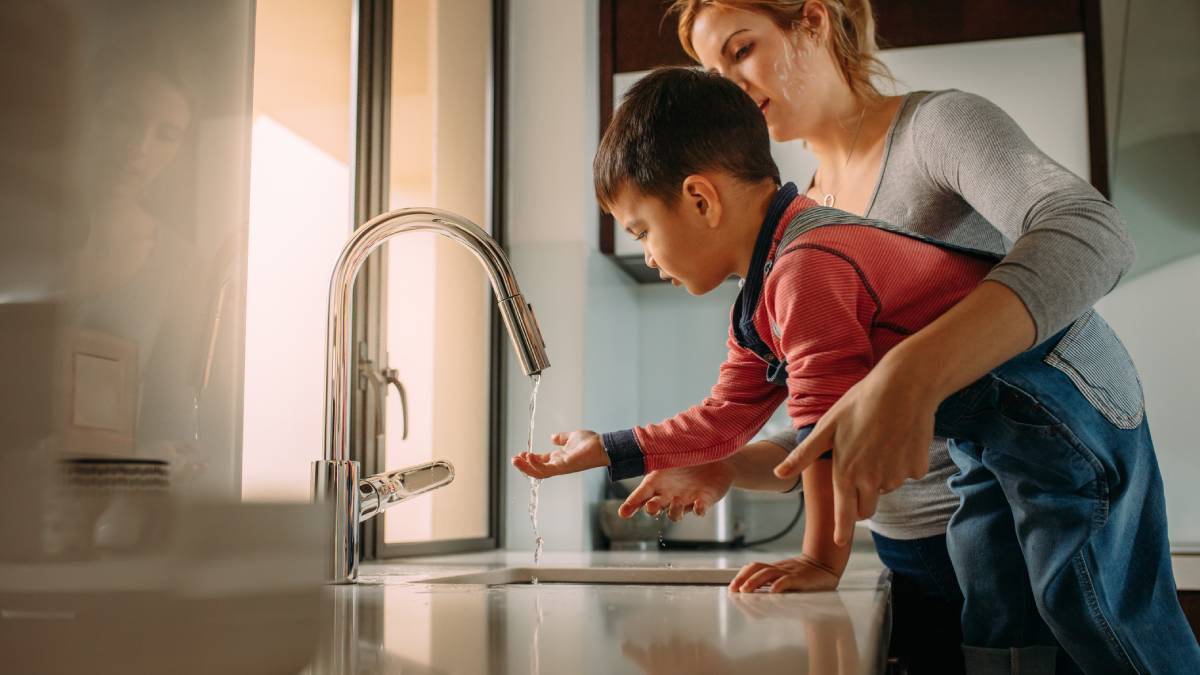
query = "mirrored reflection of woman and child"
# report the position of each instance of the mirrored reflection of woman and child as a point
(134, 276)
(139, 117)
(935, 276)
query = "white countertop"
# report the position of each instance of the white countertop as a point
(404, 625)
(392, 622)
(268, 613)
(1186, 566)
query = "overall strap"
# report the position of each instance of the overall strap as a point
(821, 216)
(814, 217)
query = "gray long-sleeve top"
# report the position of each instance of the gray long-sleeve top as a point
(958, 168)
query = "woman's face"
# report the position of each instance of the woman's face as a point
(785, 72)
(140, 124)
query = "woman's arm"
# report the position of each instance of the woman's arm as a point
(986, 328)
(1069, 244)
(1071, 248)
(880, 430)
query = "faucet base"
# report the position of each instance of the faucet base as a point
(335, 483)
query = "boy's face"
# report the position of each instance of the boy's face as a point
(677, 240)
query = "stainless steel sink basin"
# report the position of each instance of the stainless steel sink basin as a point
(593, 575)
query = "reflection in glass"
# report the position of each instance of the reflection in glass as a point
(122, 247)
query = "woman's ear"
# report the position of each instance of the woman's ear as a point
(700, 198)
(814, 22)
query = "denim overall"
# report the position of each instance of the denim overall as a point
(1060, 538)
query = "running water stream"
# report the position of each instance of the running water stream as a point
(534, 483)
(536, 655)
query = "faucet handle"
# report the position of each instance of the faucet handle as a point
(381, 491)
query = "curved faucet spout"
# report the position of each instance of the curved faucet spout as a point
(517, 314)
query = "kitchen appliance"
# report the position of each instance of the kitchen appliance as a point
(723, 526)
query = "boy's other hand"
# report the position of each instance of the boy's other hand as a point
(681, 490)
(578, 451)
(879, 432)
(792, 575)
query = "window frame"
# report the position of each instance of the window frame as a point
(372, 115)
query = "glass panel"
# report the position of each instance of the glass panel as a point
(437, 301)
(1154, 79)
(122, 245)
(300, 217)
(1157, 156)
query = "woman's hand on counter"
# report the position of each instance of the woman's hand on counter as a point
(680, 490)
(578, 451)
(792, 575)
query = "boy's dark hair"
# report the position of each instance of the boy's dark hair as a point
(676, 122)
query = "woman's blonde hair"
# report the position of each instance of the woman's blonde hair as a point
(851, 33)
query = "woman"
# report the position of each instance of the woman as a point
(945, 164)
(136, 272)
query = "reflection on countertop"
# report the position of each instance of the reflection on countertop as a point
(392, 622)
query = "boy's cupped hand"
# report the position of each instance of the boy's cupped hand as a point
(578, 451)
(680, 490)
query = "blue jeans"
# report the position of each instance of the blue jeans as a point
(1061, 534)
(925, 562)
(926, 632)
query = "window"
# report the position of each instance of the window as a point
(300, 216)
(438, 306)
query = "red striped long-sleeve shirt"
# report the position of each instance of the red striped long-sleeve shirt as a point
(834, 303)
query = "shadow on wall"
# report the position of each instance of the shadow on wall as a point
(1155, 188)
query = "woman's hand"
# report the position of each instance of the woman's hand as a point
(680, 490)
(578, 451)
(880, 431)
(794, 574)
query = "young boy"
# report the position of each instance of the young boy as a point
(1060, 537)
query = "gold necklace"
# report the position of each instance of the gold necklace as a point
(830, 197)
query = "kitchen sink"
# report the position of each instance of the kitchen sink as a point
(682, 576)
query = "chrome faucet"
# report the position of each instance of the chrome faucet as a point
(335, 478)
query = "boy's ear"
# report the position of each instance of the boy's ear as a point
(700, 198)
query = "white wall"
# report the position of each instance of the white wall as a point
(583, 304)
